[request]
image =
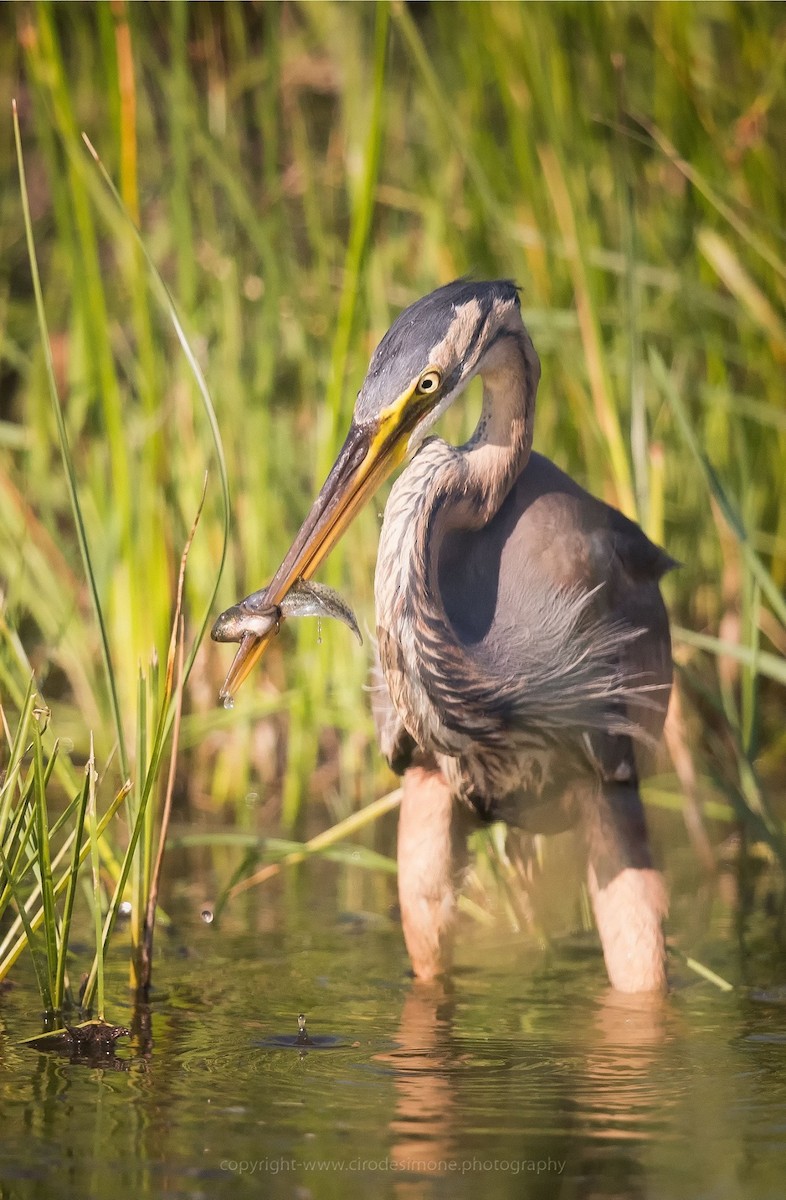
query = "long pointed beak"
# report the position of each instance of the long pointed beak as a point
(367, 457)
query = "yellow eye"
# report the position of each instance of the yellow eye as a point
(429, 382)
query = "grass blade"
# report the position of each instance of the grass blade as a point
(727, 506)
(73, 875)
(168, 304)
(44, 858)
(767, 664)
(167, 713)
(16, 754)
(95, 871)
(39, 956)
(60, 886)
(175, 678)
(336, 833)
(65, 451)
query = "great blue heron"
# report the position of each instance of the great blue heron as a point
(521, 632)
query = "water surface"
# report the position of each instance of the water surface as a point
(527, 1077)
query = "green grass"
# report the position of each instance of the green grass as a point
(41, 856)
(159, 710)
(299, 172)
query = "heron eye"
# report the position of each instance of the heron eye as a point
(429, 382)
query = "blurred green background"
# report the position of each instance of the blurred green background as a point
(301, 171)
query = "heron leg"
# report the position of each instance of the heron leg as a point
(628, 895)
(432, 855)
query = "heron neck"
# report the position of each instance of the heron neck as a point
(448, 488)
(499, 449)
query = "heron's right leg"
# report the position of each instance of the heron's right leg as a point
(432, 855)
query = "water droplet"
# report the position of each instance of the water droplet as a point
(229, 701)
(124, 908)
(302, 1038)
(207, 915)
(252, 798)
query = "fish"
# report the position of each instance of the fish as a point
(256, 617)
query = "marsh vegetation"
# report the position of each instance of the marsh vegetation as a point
(299, 172)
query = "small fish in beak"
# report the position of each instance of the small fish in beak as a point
(257, 617)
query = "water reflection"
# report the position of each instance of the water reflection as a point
(618, 1093)
(424, 1079)
(526, 1078)
(521, 1105)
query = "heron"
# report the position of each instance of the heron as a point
(524, 653)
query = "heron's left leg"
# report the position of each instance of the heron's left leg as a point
(432, 855)
(628, 895)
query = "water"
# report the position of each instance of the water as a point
(527, 1077)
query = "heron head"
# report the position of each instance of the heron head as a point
(422, 364)
(429, 355)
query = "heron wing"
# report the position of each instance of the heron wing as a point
(557, 605)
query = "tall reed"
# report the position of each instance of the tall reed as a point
(300, 172)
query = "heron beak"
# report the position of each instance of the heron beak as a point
(367, 457)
